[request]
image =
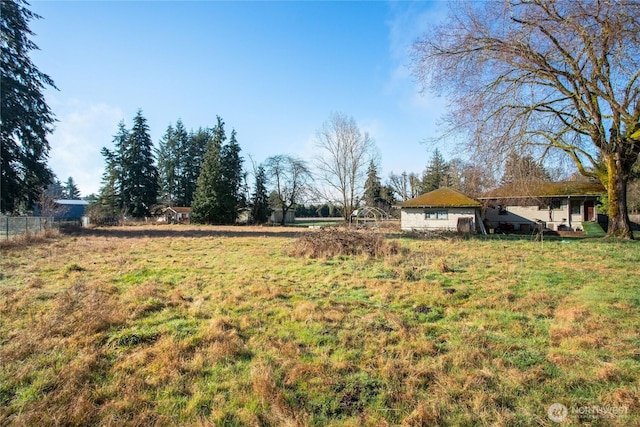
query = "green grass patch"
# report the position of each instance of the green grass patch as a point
(224, 326)
(593, 229)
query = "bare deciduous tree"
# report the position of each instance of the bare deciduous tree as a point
(290, 178)
(470, 178)
(406, 185)
(49, 208)
(344, 155)
(545, 76)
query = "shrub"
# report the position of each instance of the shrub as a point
(339, 241)
(442, 266)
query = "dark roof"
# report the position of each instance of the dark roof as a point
(545, 189)
(444, 197)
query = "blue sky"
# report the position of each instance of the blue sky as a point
(274, 71)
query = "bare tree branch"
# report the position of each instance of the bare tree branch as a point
(342, 160)
(544, 76)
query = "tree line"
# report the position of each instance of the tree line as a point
(204, 170)
(532, 77)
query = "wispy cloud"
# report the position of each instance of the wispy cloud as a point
(407, 22)
(81, 132)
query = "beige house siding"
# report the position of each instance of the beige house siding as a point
(558, 217)
(415, 219)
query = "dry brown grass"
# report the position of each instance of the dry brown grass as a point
(220, 326)
(334, 241)
(23, 240)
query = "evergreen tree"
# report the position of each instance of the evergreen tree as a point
(26, 117)
(260, 210)
(167, 168)
(205, 207)
(55, 190)
(110, 197)
(194, 154)
(437, 173)
(180, 159)
(230, 193)
(71, 190)
(139, 173)
(372, 187)
(387, 198)
(522, 169)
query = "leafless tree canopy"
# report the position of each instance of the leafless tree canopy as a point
(49, 208)
(290, 179)
(405, 185)
(543, 75)
(344, 153)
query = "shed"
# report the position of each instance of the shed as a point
(276, 216)
(63, 209)
(444, 209)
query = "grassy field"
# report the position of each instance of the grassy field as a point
(186, 325)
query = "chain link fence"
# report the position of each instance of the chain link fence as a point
(11, 226)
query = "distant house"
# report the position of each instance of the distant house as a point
(177, 215)
(444, 209)
(557, 205)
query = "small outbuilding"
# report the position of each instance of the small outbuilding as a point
(276, 216)
(444, 209)
(63, 209)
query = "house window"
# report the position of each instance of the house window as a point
(575, 208)
(554, 204)
(432, 214)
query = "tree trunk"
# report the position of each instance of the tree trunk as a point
(619, 224)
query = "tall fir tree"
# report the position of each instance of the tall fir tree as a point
(26, 117)
(372, 186)
(179, 157)
(182, 142)
(140, 175)
(206, 207)
(197, 143)
(437, 173)
(71, 190)
(167, 168)
(260, 210)
(522, 170)
(230, 194)
(55, 190)
(111, 193)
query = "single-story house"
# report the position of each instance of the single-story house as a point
(444, 209)
(556, 205)
(177, 214)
